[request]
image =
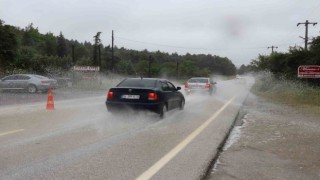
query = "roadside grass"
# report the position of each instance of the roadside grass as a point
(292, 93)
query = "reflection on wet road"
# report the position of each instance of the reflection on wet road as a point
(81, 140)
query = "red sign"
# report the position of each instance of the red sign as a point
(309, 71)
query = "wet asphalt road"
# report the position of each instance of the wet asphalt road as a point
(81, 140)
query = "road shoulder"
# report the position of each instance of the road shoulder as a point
(274, 142)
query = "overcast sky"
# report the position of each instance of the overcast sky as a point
(237, 29)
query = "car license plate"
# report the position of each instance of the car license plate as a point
(130, 96)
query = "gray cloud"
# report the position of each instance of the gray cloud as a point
(237, 29)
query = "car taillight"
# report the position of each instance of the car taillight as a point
(110, 95)
(207, 85)
(152, 96)
(186, 85)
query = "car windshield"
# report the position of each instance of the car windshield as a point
(198, 80)
(141, 83)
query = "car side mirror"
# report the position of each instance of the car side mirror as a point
(178, 88)
(214, 83)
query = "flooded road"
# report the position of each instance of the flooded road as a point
(272, 141)
(81, 140)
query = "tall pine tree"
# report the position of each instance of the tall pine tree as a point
(62, 46)
(97, 41)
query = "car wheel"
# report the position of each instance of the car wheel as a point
(182, 103)
(32, 88)
(163, 111)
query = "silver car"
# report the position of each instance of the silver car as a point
(30, 82)
(201, 85)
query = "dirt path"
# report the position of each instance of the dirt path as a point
(274, 142)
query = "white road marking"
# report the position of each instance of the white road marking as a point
(11, 132)
(165, 159)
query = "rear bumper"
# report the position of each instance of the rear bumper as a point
(123, 106)
(45, 88)
(198, 90)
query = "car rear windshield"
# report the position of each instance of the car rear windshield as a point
(198, 80)
(40, 77)
(142, 83)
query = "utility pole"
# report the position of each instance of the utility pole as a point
(177, 69)
(73, 58)
(97, 42)
(73, 64)
(112, 51)
(149, 72)
(306, 33)
(272, 47)
(99, 53)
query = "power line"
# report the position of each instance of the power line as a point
(182, 47)
(112, 52)
(206, 49)
(166, 45)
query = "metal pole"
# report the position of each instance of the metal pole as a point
(99, 52)
(112, 51)
(73, 64)
(306, 36)
(149, 72)
(306, 33)
(73, 58)
(272, 47)
(177, 69)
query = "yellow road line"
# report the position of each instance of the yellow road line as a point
(11, 132)
(165, 159)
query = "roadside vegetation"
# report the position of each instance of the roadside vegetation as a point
(284, 65)
(26, 50)
(277, 79)
(294, 93)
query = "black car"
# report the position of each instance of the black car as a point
(156, 95)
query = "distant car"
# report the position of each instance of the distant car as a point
(64, 82)
(240, 80)
(156, 95)
(200, 84)
(29, 82)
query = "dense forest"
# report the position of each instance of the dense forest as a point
(27, 50)
(285, 65)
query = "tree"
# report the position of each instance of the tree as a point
(49, 45)
(30, 50)
(31, 36)
(188, 68)
(8, 46)
(97, 41)
(125, 67)
(142, 68)
(62, 46)
(242, 69)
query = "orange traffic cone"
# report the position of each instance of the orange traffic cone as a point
(50, 104)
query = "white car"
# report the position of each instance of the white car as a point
(29, 82)
(200, 84)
